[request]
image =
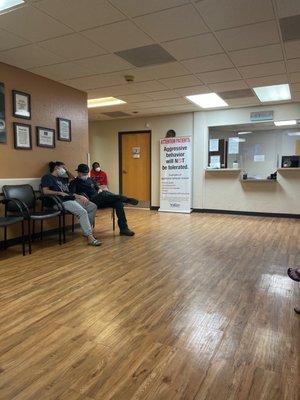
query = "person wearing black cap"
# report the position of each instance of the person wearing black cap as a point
(83, 184)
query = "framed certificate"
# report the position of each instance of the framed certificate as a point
(45, 137)
(63, 129)
(22, 136)
(21, 104)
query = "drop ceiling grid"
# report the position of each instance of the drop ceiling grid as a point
(121, 16)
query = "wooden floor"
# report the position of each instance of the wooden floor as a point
(193, 307)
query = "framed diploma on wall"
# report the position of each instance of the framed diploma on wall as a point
(2, 115)
(45, 137)
(21, 104)
(63, 129)
(22, 136)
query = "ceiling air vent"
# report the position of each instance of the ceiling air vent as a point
(116, 114)
(146, 55)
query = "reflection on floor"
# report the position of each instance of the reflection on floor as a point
(193, 307)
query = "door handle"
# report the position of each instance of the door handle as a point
(124, 172)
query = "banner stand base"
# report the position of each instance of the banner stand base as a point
(175, 211)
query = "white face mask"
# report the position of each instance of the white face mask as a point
(61, 172)
(98, 169)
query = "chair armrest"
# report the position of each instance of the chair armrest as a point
(58, 202)
(22, 207)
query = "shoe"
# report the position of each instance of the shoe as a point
(132, 201)
(126, 232)
(95, 243)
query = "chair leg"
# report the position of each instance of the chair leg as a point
(5, 238)
(73, 223)
(64, 227)
(42, 229)
(114, 219)
(33, 231)
(23, 239)
(59, 229)
(29, 236)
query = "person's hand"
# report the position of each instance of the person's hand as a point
(63, 194)
(83, 199)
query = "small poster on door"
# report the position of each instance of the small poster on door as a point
(136, 152)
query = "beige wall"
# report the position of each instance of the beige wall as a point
(49, 100)
(210, 190)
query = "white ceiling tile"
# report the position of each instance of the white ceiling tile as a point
(95, 81)
(135, 88)
(29, 57)
(254, 71)
(174, 23)
(257, 55)
(32, 24)
(105, 63)
(188, 91)
(223, 75)
(296, 96)
(208, 63)
(163, 94)
(223, 14)
(186, 108)
(287, 8)
(9, 40)
(255, 35)
(61, 71)
(81, 14)
(180, 81)
(295, 87)
(292, 48)
(72, 47)
(227, 86)
(196, 46)
(295, 77)
(163, 103)
(134, 8)
(135, 98)
(267, 80)
(119, 36)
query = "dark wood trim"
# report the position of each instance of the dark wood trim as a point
(120, 134)
(250, 213)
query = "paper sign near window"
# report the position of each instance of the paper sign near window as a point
(215, 162)
(136, 152)
(259, 158)
(233, 145)
(214, 145)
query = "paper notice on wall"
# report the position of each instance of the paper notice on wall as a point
(233, 145)
(259, 158)
(215, 162)
(214, 145)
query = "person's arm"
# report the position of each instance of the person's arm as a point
(73, 189)
(104, 181)
(48, 192)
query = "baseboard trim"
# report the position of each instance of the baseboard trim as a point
(249, 213)
(50, 232)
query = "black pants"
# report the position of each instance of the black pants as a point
(107, 199)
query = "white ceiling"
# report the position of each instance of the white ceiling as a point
(218, 45)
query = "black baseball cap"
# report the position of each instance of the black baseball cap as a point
(84, 168)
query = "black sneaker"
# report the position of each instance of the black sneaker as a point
(126, 232)
(132, 201)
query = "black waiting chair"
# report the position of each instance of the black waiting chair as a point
(7, 221)
(27, 199)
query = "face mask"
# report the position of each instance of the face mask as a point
(84, 177)
(61, 172)
(98, 169)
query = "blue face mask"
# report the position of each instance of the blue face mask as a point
(84, 177)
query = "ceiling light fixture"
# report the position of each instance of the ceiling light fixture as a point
(243, 133)
(208, 100)
(294, 134)
(273, 93)
(285, 123)
(7, 4)
(104, 102)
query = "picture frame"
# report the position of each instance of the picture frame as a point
(21, 104)
(64, 131)
(45, 137)
(22, 136)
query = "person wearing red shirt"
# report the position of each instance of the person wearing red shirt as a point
(99, 176)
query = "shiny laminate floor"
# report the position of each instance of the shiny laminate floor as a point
(194, 307)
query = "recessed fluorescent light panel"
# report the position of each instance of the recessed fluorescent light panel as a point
(286, 123)
(294, 134)
(6, 4)
(208, 100)
(273, 93)
(243, 133)
(104, 102)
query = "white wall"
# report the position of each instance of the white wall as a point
(210, 190)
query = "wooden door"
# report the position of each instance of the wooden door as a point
(135, 167)
(297, 150)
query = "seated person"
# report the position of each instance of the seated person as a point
(83, 184)
(76, 204)
(99, 176)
